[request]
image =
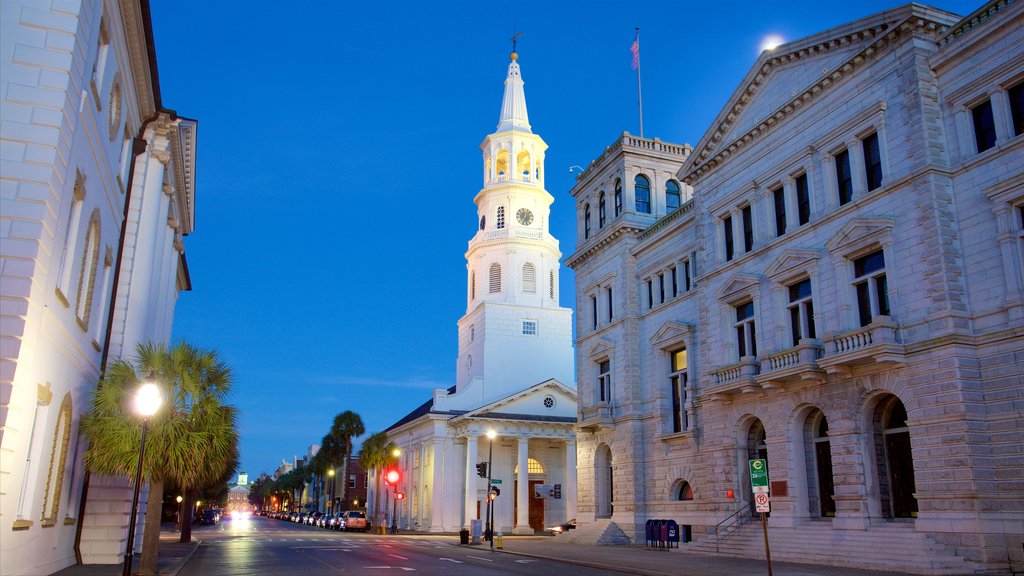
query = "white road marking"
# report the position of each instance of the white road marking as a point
(523, 561)
(479, 558)
(451, 560)
(397, 556)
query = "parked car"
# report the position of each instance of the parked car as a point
(355, 520)
(207, 518)
(334, 521)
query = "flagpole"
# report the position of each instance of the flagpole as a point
(639, 91)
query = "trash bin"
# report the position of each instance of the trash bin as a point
(464, 536)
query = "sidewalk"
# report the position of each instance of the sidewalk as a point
(171, 557)
(649, 562)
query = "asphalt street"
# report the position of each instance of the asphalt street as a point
(264, 546)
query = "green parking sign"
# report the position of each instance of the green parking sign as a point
(758, 473)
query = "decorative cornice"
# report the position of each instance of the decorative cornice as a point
(975, 19)
(635, 143)
(623, 229)
(882, 36)
(666, 220)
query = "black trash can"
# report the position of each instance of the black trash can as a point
(463, 536)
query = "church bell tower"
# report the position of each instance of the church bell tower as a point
(514, 334)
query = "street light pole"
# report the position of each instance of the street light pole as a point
(147, 402)
(490, 501)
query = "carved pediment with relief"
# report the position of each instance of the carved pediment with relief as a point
(601, 348)
(672, 334)
(737, 285)
(791, 263)
(859, 232)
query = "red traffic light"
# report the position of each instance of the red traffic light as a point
(391, 477)
(399, 495)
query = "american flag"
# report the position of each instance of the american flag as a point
(635, 49)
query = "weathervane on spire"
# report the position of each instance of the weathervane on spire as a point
(514, 40)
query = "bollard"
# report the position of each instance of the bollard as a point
(497, 540)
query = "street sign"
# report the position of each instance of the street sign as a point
(495, 481)
(760, 489)
(556, 492)
(758, 473)
(761, 502)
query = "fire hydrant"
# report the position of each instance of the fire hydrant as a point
(497, 540)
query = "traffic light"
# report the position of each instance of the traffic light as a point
(481, 469)
(391, 477)
(399, 495)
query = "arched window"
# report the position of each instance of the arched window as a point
(502, 164)
(495, 278)
(501, 217)
(71, 237)
(483, 221)
(58, 458)
(600, 211)
(529, 278)
(642, 189)
(87, 274)
(672, 196)
(681, 491)
(586, 222)
(523, 165)
(551, 284)
(532, 467)
(618, 197)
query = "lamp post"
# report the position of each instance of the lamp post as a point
(178, 500)
(330, 489)
(491, 434)
(147, 402)
(394, 497)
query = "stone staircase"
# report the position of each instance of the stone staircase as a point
(601, 532)
(882, 547)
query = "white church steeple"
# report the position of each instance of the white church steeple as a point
(514, 333)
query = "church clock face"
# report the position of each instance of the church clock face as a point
(524, 216)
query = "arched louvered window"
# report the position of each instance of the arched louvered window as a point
(87, 273)
(642, 189)
(672, 197)
(601, 211)
(586, 222)
(551, 284)
(495, 278)
(618, 197)
(529, 278)
(501, 217)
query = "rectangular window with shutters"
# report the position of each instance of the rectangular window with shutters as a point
(984, 126)
(779, 200)
(803, 200)
(844, 178)
(872, 161)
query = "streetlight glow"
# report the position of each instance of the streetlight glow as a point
(147, 399)
(396, 452)
(491, 434)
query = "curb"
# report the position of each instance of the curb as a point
(187, 557)
(595, 565)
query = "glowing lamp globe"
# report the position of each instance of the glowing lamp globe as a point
(392, 477)
(147, 399)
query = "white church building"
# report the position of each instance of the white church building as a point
(515, 363)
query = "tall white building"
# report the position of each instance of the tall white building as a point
(98, 190)
(842, 296)
(515, 365)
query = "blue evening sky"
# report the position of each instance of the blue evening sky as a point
(338, 157)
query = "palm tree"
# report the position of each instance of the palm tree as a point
(377, 452)
(346, 426)
(192, 439)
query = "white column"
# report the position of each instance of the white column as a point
(523, 489)
(437, 502)
(471, 480)
(569, 489)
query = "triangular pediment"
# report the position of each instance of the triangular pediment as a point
(784, 80)
(600, 348)
(671, 334)
(737, 285)
(531, 402)
(791, 262)
(860, 231)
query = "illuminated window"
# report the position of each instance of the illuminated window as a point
(532, 467)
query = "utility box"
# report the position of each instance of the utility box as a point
(476, 530)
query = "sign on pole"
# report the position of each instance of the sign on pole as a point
(496, 481)
(761, 502)
(758, 475)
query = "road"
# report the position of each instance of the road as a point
(266, 547)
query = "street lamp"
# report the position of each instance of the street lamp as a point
(146, 402)
(396, 453)
(330, 489)
(178, 499)
(491, 434)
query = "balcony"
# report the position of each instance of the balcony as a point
(736, 379)
(874, 344)
(798, 364)
(597, 418)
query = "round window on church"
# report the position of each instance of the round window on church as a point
(549, 401)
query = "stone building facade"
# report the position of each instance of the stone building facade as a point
(515, 363)
(839, 292)
(98, 190)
